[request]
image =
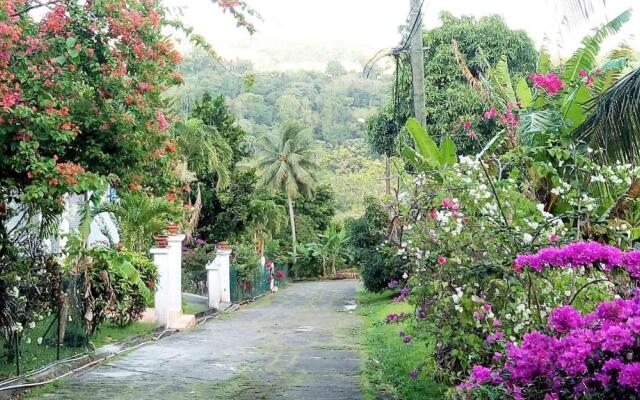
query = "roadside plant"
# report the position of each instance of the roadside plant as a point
(576, 353)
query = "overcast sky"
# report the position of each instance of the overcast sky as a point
(309, 32)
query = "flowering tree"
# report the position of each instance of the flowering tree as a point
(81, 106)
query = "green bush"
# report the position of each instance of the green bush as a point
(378, 269)
(367, 235)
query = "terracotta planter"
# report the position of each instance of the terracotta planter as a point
(161, 240)
(222, 246)
(173, 229)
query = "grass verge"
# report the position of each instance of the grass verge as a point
(34, 355)
(388, 360)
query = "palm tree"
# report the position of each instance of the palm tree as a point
(266, 220)
(204, 151)
(614, 123)
(287, 166)
(138, 217)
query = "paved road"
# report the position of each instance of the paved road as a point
(298, 344)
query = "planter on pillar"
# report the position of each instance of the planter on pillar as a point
(168, 297)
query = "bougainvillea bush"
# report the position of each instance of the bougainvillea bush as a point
(461, 230)
(576, 354)
(80, 107)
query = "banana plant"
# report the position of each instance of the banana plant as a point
(427, 155)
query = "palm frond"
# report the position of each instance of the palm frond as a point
(205, 150)
(585, 57)
(614, 123)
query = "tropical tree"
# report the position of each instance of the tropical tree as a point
(614, 121)
(330, 248)
(288, 166)
(266, 220)
(138, 216)
(203, 150)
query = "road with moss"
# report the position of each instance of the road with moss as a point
(301, 343)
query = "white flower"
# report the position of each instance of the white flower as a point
(405, 276)
(13, 292)
(39, 340)
(28, 340)
(527, 238)
(32, 325)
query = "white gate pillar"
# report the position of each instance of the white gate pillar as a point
(168, 297)
(218, 279)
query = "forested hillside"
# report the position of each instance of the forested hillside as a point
(332, 104)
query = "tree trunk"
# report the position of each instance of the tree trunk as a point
(293, 229)
(387, 176)
(333, 265)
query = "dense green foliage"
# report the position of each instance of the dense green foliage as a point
(457, 56)
(331, 104)
(462, 222)
(366, 237)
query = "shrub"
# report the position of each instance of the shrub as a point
(378, 269)
(116, 284)
(367, 235)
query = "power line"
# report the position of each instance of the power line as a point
(413, 28)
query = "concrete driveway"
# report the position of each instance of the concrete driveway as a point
(301, 343)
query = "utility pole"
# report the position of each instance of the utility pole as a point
(417, 61)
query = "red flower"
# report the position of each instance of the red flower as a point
(171, 196)
(150, 284)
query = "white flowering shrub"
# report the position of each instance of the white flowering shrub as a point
(29, 287)
(462, 229)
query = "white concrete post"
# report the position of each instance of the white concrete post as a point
(214, 285)
(218, 279)
(175, 273)
(162, 259)
(222, 256)
(169, 292)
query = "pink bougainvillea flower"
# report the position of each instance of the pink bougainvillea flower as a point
(550, 82)
(446, 202)
(466, 124)
(442, 260)
(163, 125)
(472, 134)
(583, 73)
(491, 113)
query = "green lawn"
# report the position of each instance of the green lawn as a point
(34, 356)
(193, 308)
(388, 360)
